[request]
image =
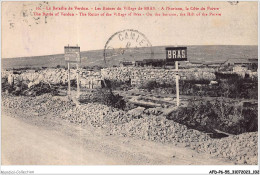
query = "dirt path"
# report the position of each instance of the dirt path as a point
(26, 144)
(63, 143)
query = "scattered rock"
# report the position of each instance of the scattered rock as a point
(136, 112)
(241, 149)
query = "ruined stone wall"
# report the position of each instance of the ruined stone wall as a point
(140, 75)
(88, 79)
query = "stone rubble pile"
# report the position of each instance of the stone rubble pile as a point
(97, 115)
(157, 128)
(39, 105)
(121, 74)
(242, 149)
(140, 123)
(131, 123)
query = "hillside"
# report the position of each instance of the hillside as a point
(212, 53)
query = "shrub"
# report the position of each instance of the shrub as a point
(17, 88)
(112, 84)
(239, 88)
(104, 96)
(151, 85)
(39, 89)
(220, 75)
(230, 86)
(20, 88)
(6, 86)
(209, 115)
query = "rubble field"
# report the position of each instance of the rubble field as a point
(147, 124)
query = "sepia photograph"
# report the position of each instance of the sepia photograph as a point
(129, 83)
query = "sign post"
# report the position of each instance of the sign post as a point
(176, 54)
(69, 91)
(177, 85)
(72, 55)
(78, 90)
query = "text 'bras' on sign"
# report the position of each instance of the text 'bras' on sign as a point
(176, 53)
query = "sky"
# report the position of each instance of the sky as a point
(24, 34)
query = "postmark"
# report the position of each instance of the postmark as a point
(127, 46)
(233, 2)
(26, 15)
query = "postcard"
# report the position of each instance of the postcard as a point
(130, 83)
